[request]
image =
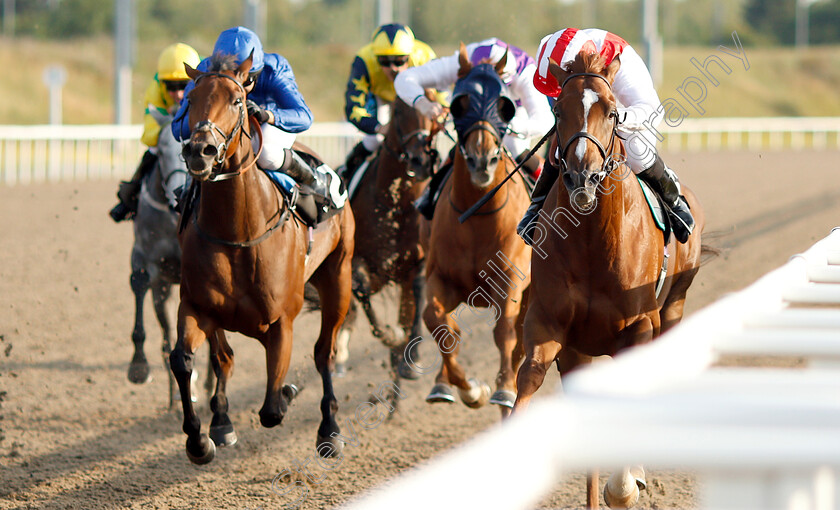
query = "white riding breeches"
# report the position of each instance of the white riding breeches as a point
(274, 142)
(640, 147)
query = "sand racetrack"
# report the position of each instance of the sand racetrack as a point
(77, 434)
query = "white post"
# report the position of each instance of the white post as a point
(123, 22)
(9, 18)
(385, 12)
(54, 78)
(802, 23)
(653, 43)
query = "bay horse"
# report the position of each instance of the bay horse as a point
(596, 285)
(156, 254)
(245, 260)
(481, 262)
(388, 246)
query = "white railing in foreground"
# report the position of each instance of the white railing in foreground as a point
(758, 438)
(64, 153)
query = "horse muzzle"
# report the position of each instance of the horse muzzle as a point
(582, 187)
(200, 156)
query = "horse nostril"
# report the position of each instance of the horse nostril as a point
(416, 161)
(209, 151)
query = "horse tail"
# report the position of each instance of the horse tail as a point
(709, 252)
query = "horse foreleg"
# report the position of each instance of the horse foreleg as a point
(191, 334)
(278, 352)
(221, 358)
(592, 490)
(541, 344)
(362, 291)
(138, 369)
(411, 319)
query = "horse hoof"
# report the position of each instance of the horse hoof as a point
(504, 398)
(406, 372)
(476, 396)
(138, 373)
(441, 392)
(290, 391)
(200, 451)
(622, 490)
(328, 446)
(223, 435)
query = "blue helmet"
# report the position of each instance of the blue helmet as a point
(240, 41)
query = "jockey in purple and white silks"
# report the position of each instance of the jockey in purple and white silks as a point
(533, 112)
(637, 107)
(274, 100)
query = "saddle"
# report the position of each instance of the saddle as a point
(308, 205)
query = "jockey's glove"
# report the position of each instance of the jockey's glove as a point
(427, 107)
(257, 111)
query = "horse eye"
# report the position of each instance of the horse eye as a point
(237, 101)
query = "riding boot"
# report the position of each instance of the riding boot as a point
(130, 190)
(526, 226)
(354, 160)
(322, 181)
(665, 183)
(425, 205)
(533, 165)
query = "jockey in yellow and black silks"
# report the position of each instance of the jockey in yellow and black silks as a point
(370, 87)
(164, 93)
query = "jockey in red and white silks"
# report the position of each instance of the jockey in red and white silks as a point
(533, 113)
(633, 86)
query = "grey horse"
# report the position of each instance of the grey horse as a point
(156, 255)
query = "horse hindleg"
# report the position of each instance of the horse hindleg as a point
(278, 352)
(221, 357)
(191, 334)
(138, 369)
(160, 295)
(504, 334)
(334, 281)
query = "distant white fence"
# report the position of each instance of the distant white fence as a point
(757, 438)
(31, 154)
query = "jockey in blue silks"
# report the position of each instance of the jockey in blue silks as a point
(274, 100)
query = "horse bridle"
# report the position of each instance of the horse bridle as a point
(481, 125)
(401, 153)
(222, 148)
(610, 162)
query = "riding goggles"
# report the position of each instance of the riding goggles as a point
(175, 85)
(392, 61)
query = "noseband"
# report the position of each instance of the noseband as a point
(208, 125)
(610, 162)
(401, 154)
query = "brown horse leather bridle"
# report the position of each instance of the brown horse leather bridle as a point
(222, 148)
(610, 162)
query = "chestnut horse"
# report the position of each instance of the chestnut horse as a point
(388, 230)
(245, 260)
(481, 262)
(596, 287)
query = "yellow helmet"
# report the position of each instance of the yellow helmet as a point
(171, 62)
(393, 39)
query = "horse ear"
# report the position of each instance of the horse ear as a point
(611, 69)
(245, 66)
(506, 109)
(191, 72)
(559, 74)
(500, 65)
(459, 106)
(464, 65)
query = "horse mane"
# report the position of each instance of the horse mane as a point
(222, 62)
(587, 63)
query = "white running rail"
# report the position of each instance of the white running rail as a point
(31, 154)
(758, 438)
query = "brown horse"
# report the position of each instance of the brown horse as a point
(596, 287)
(480, 262)
(245, 260)
(388, 230)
